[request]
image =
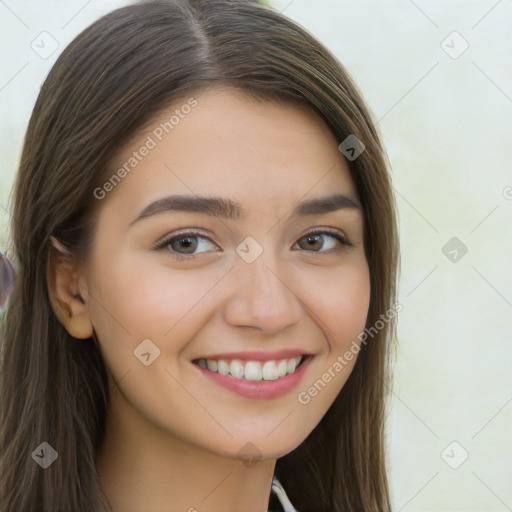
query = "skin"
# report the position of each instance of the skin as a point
(173, 437)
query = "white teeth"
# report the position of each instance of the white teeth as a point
(223, 367)
(292, 364)
(211, 365)
(252, 370)
(281, 368)
(236, 369)
(269, 370)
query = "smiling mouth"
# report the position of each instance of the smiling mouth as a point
(253, 370)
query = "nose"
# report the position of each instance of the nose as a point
(262, 297)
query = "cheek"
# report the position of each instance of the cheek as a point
(144, 298)
(340, 302)
(138, 299)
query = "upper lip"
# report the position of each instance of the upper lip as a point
(258, 355)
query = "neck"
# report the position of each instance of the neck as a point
(143, 468)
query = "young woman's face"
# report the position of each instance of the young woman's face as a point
(262, 280)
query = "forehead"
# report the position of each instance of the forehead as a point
(224, 143)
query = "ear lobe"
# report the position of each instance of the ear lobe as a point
(66, 301)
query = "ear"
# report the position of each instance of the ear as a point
(64, 284)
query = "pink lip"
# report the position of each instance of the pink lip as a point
(258, 389)
(258, 355)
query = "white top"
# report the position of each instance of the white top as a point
(277, 488)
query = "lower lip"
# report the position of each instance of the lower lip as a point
(259, 388)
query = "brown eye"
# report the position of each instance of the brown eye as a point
(185, 245)
(189, 244)
(316, 241)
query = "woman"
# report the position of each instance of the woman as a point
(205, 235)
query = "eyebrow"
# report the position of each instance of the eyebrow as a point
(229, 209)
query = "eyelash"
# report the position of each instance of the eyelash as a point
(159, 246)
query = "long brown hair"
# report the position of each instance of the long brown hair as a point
(107, 84)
